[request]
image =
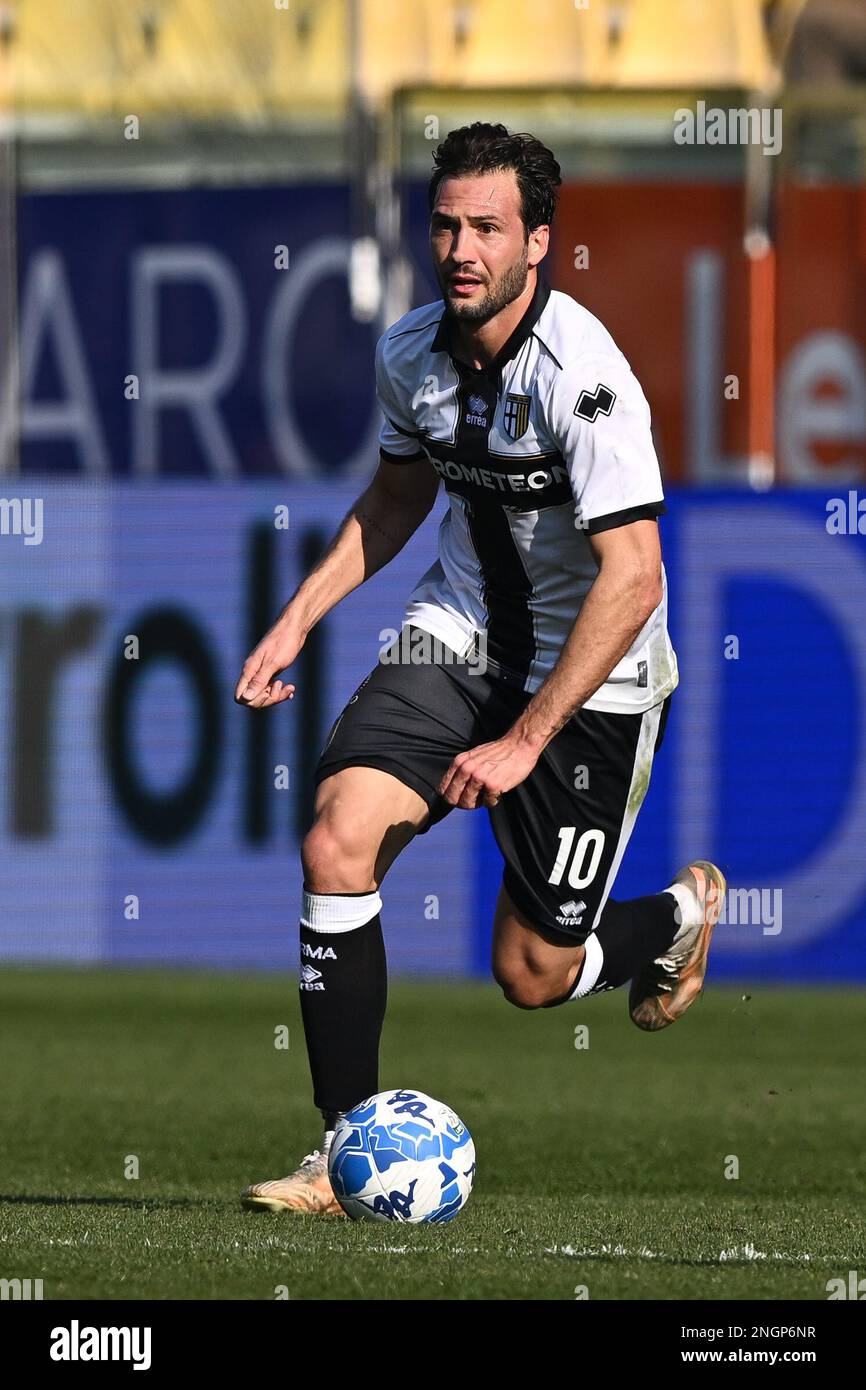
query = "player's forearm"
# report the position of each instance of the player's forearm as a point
(613, 613)
(373, 531)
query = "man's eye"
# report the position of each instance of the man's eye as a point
(488, 227)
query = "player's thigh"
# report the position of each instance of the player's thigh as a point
(363, 818)
(380, 769)
(564, 829)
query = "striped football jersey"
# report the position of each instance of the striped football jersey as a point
(547, 445)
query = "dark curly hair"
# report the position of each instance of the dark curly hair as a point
(481, 148)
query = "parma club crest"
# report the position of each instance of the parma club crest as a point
(515, 417)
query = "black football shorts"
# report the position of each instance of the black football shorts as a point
(564, 829)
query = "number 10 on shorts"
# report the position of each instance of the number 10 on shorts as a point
(585, 856)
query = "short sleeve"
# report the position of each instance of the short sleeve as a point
(600, 420)
(398, 441)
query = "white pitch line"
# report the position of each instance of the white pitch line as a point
(736, 1254)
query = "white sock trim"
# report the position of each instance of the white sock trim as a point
(690, 914)
(339, 912)
(591, 968)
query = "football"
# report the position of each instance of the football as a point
(401, 1156)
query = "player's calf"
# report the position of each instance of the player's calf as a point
(528, 987)
(539, 970)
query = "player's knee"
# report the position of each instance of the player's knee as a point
(522, 986)
(337, 856)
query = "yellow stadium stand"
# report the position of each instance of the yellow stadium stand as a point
(64, 58)
(250, 60)
(179, 59)
(6, 32)
(402, 43)
(217, 59)
(309, 74)
(532, 43)
(685, 43)
(196, 58)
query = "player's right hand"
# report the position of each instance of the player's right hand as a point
(258, 687)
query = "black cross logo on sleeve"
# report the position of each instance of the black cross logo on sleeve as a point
(591, 404)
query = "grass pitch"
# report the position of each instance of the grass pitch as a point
(601, 1167)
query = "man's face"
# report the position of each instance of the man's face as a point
(478, 243)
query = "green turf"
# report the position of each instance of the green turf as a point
(601, 1167)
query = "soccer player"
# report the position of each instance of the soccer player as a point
(546, 671)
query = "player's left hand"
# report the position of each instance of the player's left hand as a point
(482, 775)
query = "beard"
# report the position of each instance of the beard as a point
(509, 286)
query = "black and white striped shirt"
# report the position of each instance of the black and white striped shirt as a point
(548, 444)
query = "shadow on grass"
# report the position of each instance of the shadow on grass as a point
(131, 1203)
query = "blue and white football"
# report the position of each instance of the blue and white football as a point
(401, 1156)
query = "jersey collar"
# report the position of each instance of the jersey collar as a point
(512, 345)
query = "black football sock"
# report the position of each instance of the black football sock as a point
(343, 988)
(629, 935)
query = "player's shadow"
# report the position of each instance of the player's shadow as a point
(134, 1203)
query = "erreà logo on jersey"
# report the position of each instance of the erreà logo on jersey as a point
(571, 913)
(311, 978)
(591, 404)
(477, 414)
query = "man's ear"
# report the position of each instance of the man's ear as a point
(538, 242)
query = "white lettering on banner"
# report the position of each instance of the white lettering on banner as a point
(809, 413)
(71, 854)
(47, 316)
(324, 259)
(50, 330)
(196, 390)
(807, 418)
(764, 538)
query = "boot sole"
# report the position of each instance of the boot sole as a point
(276, 1204)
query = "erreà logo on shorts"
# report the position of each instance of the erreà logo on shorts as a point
(77, 1343)
(571, 913)
(311, 978)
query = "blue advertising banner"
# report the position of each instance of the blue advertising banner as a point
(763, 765)
(197, 347)
(146, 817)
(202, 332)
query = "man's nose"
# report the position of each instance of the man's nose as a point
(463, 245)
